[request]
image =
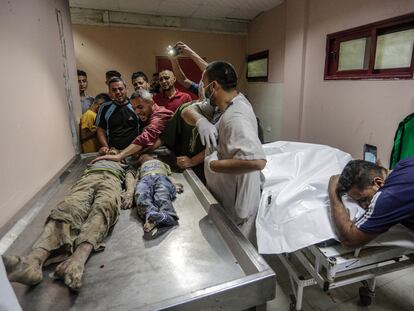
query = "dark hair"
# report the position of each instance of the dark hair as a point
(103, 96)
(116, 79)
(223, 73)
(358, 173)
(112, 73)
(138, 74)
(82, 73)
(155, 74)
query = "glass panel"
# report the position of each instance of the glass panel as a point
(394, 50)
(257, 68)
(354, 54)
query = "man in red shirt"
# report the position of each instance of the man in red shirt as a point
(154, 118)
(170, 97)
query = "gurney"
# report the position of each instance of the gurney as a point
(205, 263)
(334, 266)
(293, 222)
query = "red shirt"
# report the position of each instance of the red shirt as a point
(156, 125)
(174, 102)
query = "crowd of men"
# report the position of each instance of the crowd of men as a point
(218, 136)
(230, 155)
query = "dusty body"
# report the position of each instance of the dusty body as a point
(76, 226)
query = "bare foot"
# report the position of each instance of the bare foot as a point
(25, 270)
(148, 226)
(70, 271)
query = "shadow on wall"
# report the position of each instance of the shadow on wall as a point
(267, 99)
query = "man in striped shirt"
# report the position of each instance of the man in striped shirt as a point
(387, 197)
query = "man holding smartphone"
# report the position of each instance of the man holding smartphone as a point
(387, 197)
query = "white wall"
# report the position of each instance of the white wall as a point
(35, 136)
(347, 114)
(267, 32)
(129, 49)
(267, 102)
(343, 114)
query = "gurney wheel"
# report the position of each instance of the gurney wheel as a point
(365, 296)
(292, 306)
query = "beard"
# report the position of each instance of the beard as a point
(120, 100)
(166, 87)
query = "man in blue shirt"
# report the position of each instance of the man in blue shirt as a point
(387, 198)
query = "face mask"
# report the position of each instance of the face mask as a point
(204, 94)
(207, 93)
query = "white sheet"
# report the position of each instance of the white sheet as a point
(294, 207)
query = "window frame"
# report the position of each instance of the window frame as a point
(372, 30)
(257, 56)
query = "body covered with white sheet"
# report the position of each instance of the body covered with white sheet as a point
(294, 207)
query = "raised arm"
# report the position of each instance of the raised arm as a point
(179, 73)
(185, 50)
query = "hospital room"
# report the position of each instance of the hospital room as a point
(207, 155)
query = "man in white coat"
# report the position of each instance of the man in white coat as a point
(234, 156)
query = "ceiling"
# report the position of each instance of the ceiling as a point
(237, 10)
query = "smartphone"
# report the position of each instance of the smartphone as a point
(370, 153)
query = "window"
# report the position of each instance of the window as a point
(380, 50)
(257, 66)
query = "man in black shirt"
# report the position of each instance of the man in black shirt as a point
(116, 122)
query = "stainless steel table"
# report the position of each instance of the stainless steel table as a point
(203, 264)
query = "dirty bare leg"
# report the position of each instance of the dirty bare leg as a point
(71, 270)
(28, 269)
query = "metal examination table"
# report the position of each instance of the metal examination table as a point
(203, 264)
